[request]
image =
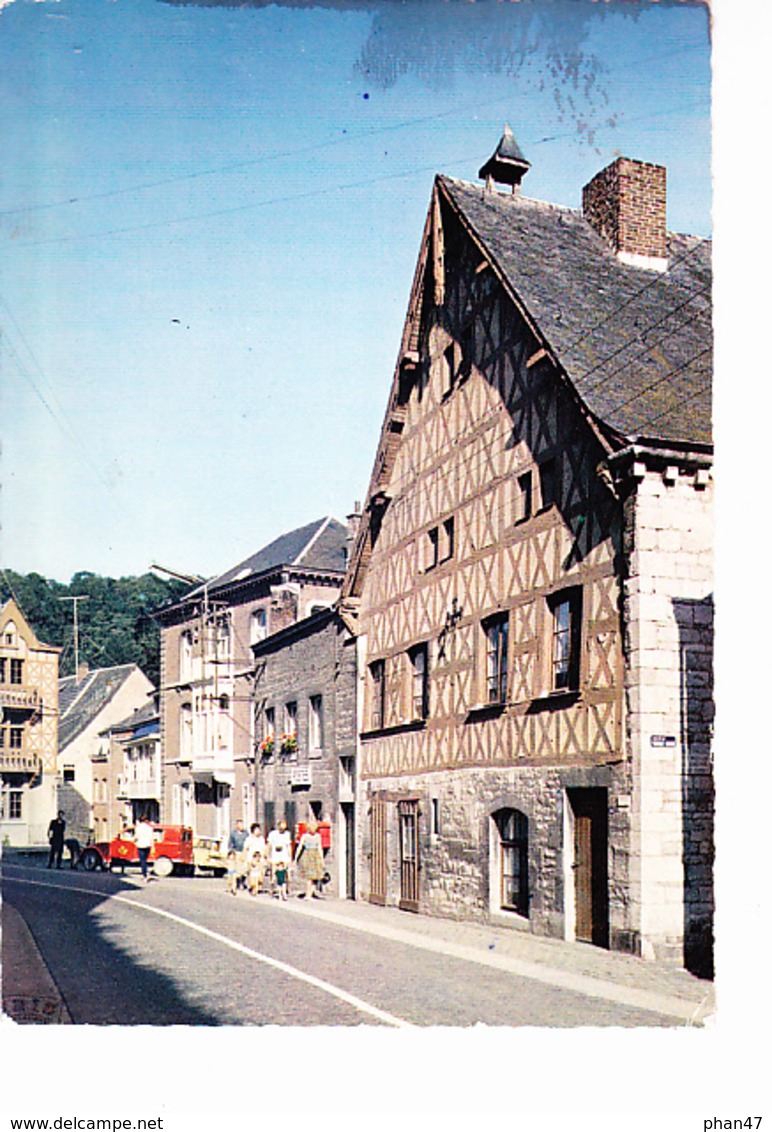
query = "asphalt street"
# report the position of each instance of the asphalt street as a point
(182, 951)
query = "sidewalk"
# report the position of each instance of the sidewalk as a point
(30, 995)
(580, 967)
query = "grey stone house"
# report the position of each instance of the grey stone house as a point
(532, 581)
(207, 721)
(305, 727)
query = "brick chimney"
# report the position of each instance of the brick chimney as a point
(626, 204)
(352, 529)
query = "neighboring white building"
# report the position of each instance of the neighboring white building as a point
(90, 703)
(127, 772)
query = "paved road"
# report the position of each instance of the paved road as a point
(181, 951)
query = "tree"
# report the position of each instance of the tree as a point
(116, 625)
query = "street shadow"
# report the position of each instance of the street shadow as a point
(101, 982)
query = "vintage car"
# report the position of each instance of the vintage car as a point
(172, 851)
(209, 855)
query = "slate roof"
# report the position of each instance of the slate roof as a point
(320, 545)
(148, 713)
(80, 702)
(636, 344)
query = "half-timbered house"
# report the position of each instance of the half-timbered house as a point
(532, 578)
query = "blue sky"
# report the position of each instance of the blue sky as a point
(209, 219)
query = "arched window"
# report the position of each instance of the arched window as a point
(512, 827)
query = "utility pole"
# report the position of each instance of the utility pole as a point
(75, 600)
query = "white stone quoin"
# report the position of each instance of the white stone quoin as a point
(668, 605)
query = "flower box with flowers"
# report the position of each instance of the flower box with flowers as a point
(288, 744)
(266, 747)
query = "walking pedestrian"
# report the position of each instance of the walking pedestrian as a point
(280, 852)
(56, 829)
(144, 836)
(310, 860)
(236, 843)
(255, 850)
(233, 873)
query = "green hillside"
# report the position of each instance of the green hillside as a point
(115, 624)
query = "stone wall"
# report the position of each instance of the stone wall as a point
(315, 658)
(668, 613)
(459, 861)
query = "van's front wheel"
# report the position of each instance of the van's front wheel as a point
(91, 860)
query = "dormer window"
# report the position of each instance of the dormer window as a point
(449, 369)
(467, 350)
(524, 497)
(447, 533)
(432, 548)
(258, 626)
(549, 482)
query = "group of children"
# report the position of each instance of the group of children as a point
(247, 866)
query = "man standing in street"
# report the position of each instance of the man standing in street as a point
(56, 840)
(237, 843)
(144, 835)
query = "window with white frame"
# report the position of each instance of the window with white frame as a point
(377, 694)
(496, 658)
(315, 724)
(419, 660)
(224, 637)
(258, 626)
(566, 626)
(186, 654)
(346, 778)
(512, 827)
(269, 723)
(186, 732)
(12, 805)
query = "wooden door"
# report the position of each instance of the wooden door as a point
(349, 827)
(408, 852)
(378, 865)
(583, 876)
(590, 865)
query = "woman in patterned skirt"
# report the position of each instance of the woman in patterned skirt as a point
(309, 859)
